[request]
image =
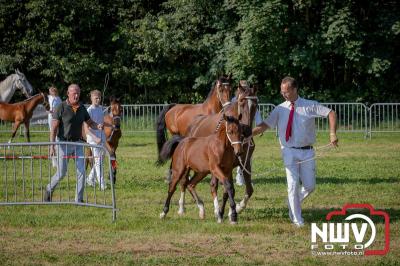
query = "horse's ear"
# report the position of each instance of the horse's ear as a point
(17, 71)
(256, 88)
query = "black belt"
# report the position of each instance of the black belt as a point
(71, 139)
(303, 148)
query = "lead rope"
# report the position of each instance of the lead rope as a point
(279, 168)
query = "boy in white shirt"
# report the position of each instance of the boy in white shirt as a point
(97, 137)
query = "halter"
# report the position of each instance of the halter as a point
(230, 140)
(219, 96)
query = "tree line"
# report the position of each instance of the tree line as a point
(172, 51)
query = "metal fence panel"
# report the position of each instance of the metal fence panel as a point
(384, 117)
(352, 117)
(26, 169)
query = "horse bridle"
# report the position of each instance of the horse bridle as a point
(116, 126)
(21, 87)
(219, 96)
(230, 140)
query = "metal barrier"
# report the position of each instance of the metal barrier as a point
(384, 117)
(352, 117)
(27, 171)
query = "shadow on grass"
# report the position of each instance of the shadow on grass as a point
(313, 215)
(330, 180)
(137, 144)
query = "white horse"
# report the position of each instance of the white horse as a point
(13, 82)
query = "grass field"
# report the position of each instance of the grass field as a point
(360, 171)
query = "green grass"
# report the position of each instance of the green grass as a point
(360, 171)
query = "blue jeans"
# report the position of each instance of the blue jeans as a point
(62, 166)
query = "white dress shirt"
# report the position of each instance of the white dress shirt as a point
(303, 127)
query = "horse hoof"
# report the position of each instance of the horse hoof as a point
(219, 220)
(233, 222)
(181, 212)
(239, 209)
(202, 215)
(162, 215)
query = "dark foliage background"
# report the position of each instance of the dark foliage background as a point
(171, 51)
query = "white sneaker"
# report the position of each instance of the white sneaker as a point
(299, 225)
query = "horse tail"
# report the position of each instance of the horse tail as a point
(162, 129)
(168, 149)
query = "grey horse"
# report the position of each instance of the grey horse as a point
(12, 83)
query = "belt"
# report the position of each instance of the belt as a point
(303, 148)
(71, 139)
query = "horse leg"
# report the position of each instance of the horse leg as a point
(228, 183)
(214, 195)
(192, 189)
(171, 189)
(14, 130)
(184, 183)
(27, 134)
(222, 209)
(249, 188)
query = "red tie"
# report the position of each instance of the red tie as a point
(290, 122)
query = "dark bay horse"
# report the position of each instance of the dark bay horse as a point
(205, 125)
(214, 154)
(22, 112)
(177, 117)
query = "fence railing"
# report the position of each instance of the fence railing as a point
(352, 117)
(384, 117)
(27, 171)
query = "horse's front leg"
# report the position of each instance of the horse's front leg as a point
(14, 130)
(27, 133)
(214, 195)
(226, 180)
(171, 189)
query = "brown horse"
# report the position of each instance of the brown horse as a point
(205, 125)
(177, 117)
(22, 112)
(112, 131)
(113, 134)
(214, 154)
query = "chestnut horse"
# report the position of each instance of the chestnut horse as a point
(205, 125)
(22, 112)
(113, 134)
(214, 154)
(177, 117)
(112, 131)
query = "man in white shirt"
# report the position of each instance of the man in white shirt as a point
(295, 119)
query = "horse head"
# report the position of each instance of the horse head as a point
(234, 132)
(45, 103)
(116, 110)
(23, 84)
(247, 105)
(223, 89)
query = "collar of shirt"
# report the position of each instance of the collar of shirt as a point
(296, 103)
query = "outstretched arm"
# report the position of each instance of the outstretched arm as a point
(260, 128)
(332, 128)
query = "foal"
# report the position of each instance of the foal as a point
(213, 154)
(22, 112)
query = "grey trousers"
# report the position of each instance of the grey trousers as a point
(63, 154)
